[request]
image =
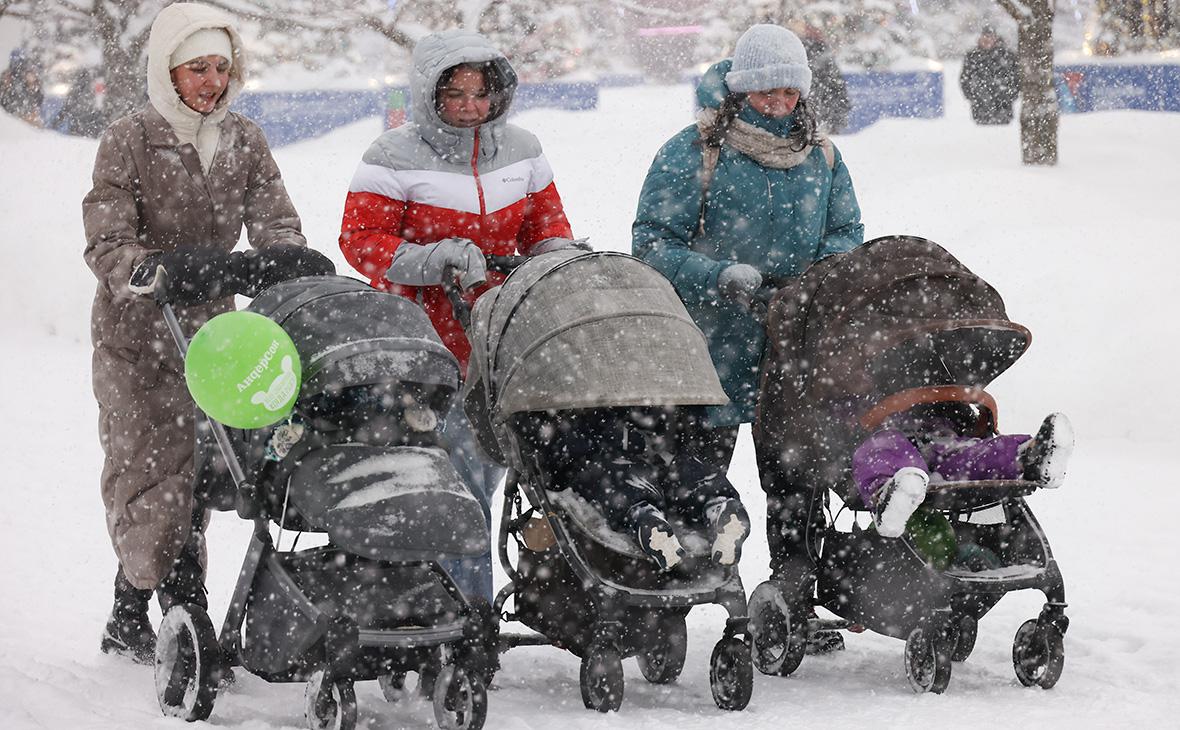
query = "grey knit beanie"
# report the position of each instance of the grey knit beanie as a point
(769, 57)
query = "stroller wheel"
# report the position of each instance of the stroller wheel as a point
(460, 699)
(601, 678)
(778, 647)
(927, 661)
(188, 663)
(329, 705)
(663, 660)
(963, 633)
(393, 686)
(1038, 654)
(731, 674)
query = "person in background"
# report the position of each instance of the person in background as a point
(174, 185)
(829, 92)
(431, 198)
(990, 79)
(79, 114)
(20, 88)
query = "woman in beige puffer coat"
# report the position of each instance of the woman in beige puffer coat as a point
(183, 175)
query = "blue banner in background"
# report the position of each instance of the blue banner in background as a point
(291, 116)
(1103, 87)
(879, 94)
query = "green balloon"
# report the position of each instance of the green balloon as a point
(243, 370)
(933, 537)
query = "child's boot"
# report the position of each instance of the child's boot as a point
(730, 525)
(1043, 459)
(129, 631)
(897, 499)
(655, 536)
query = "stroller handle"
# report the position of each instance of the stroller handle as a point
(247, 503)
(497, 263)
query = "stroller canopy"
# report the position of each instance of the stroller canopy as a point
(897, 313)
(348, 334)
(589, 330)
(584, 330)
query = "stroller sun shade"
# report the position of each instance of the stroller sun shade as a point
(583, 330)
(348, 333)
(896, 313)
(590, 330)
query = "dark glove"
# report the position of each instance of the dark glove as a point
(428, 264)
(549, 245)
(195, 275)
(259, 269)
(738, 283)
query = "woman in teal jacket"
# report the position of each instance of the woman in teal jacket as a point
(751, 194)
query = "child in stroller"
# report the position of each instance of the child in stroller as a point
(622, 461)
(945, 434)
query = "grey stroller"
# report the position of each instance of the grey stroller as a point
(358, 462)
(571, 332)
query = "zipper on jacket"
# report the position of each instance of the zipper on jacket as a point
(475, 172)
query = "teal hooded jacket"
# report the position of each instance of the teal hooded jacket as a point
(778, 221)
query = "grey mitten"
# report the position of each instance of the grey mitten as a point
(738, 283)
(550, 245)
(428, 264)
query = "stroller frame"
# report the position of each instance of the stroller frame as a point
(935, 610)
(192, 660)
(612, 603)
(850, 336)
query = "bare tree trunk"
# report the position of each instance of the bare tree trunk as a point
(1039, 113)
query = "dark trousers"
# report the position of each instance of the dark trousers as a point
(620, 484)
(794, 515)
(712, 446)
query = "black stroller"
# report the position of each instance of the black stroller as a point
(358, 462)
(895, 317)
(576, 330)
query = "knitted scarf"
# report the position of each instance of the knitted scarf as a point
(767, 149)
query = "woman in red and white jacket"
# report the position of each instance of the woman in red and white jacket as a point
(459, 171)
(441, 193)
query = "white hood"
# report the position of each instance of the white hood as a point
(171, 27)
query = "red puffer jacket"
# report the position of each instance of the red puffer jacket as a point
(404, 194)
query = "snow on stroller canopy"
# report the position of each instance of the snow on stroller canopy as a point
(349, 334)
(898, 312)
(588, 330)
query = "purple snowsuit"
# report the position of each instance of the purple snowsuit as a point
(932, 445)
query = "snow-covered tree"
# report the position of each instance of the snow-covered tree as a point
(1130, 26)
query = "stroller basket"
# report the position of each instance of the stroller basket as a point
(295, 594)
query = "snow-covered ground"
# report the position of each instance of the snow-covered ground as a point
(1085, 253)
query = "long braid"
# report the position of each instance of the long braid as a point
(804, 131)
(726, 113)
